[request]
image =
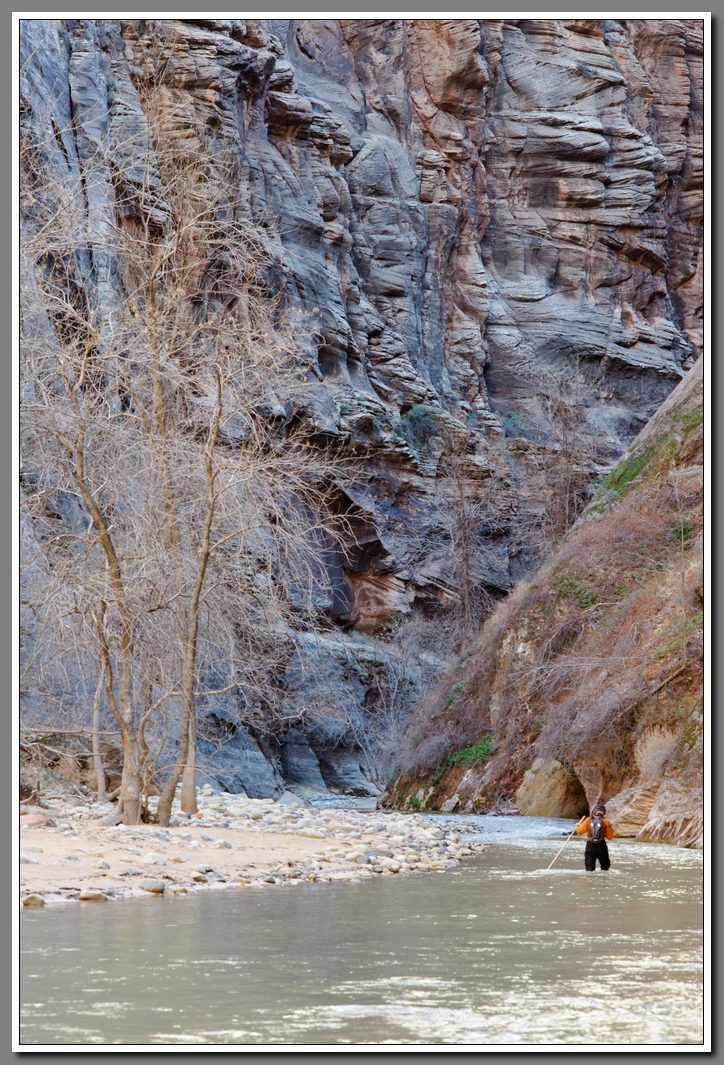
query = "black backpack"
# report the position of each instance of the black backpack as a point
(596, 833)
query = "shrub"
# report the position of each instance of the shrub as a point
(381, 423)
(475, 755)
(439, 774)
(456, 693)
(572, 588)
(679, 635)
(513, 424)
(682, 531)
(417, 425)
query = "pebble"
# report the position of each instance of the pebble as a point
(92, 895)
(36, 821)
(154, 858)
(103, 864)
(34, 902)
(154, 887)
(391, 864)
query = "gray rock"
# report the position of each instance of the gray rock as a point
(342, 771)
(291, 800)
(300, 764)
(154, 887)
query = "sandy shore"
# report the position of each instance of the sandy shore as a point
(67, 853)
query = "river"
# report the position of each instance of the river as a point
(499, 951)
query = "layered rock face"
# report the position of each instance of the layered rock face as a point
(465, 212)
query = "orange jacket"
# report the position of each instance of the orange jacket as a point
(583, 827)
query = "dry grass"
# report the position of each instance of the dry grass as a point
(653, 750)
(577, 662)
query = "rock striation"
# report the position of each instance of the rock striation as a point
(465, 212)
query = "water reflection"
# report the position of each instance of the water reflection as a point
(499, 951)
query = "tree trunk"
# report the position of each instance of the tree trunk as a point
(95, 738)
(122, 707)
(187, 738)
(129, 801)
(188, 787)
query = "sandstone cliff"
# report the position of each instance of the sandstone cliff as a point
(586, 684)
(471, 215)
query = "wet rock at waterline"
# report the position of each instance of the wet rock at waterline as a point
(34, 902)
(92, 895)
(153, 887)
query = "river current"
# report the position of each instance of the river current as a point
(499, 951)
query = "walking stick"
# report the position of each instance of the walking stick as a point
(564, 843)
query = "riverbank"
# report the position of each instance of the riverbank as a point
(492, 953)
(67, 853)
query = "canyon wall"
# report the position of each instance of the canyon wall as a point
(474, 217)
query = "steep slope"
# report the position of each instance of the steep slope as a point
(586, 683)
(493, 230)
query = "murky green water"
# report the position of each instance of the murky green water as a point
(499, 952)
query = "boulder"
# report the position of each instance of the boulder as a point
(549, 789)
(300, 764)
(342, 771)
(237, 763)
(628, 811)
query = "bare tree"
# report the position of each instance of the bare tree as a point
(164, 417)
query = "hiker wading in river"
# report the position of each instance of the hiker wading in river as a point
(598, 830)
